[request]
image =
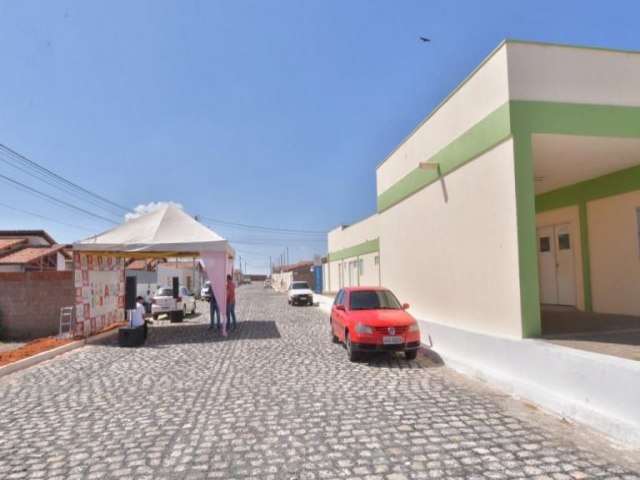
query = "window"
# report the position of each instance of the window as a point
(373, 300)
(376, 260)
(340, 298)
(360, 267)
(563, 241)
(545, 244)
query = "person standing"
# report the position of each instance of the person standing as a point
(231, 303)
(214, 309)
(147, 302)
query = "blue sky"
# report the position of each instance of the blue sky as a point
(269, 114)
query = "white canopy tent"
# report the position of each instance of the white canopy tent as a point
(166, 232)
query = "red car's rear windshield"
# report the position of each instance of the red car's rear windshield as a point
(374, 300)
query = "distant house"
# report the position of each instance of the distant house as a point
(154, 273)
(36, 281)
(31, 251)
(301, 271)
(190, 272)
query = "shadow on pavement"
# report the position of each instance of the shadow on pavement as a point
(162, 334)
(426, 359)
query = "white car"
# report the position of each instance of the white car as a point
(204, 291)
(176, 308)
(299, 293)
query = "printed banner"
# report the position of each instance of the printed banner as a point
(99, 286)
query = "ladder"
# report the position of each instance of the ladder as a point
(66, 321)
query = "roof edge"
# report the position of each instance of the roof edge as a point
(446, 99)
(505, 42)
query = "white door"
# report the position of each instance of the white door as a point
(352, 274)
(547, 266)
(555, 261)
(565, 271)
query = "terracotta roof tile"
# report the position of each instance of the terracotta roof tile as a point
(11, 242)
(27, 233)
(29, 254)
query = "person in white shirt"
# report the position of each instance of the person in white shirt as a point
(137, 315)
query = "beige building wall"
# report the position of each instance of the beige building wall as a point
(485, 90)
(570, 215)
(364, 272)
(333, 276)
(346, 236)
(565, 74)
(370, 274)
(451, 250)
(614, 244)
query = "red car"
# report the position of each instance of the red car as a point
(371, 319)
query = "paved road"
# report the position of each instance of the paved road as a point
(276, 400)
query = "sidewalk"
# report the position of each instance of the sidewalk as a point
(323, 301)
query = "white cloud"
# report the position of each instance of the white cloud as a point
(148, 208)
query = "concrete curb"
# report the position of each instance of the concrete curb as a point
(596, 390)
(48, 355)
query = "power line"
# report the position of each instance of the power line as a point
(258, 227)
(20, 162)
(46, 218)
(56, 200)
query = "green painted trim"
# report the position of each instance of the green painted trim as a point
(576, 119)
(586, 261)
(483, 63)
(529, 118)
(527, 249)
(361, 249)
(617, 183)
(483, 136)
(520, 120)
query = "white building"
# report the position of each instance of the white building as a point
(522, 187)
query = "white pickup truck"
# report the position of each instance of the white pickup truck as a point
(177, 308)
(299, 293)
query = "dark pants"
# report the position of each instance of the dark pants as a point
(231, 315)
(214, 311)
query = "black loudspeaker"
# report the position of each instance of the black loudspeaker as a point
(130, 293)
(176, 285)
(131, 337)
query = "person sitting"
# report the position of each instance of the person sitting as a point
(137, 316)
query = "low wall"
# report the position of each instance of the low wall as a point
(30, 303)
(598, 390)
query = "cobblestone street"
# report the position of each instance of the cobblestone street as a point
(276, 400)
